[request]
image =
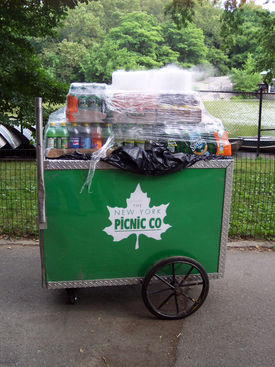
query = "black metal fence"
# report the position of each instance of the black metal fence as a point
(18, 194)
(253, 195)
(249, 119)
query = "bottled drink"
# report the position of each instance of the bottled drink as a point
(85, 136)
(51, 136)
(74, 138)
(223, 144)
(172, 135)
(72, 104)
(118, 134)
(140, 131)
(212, 144)
(62, 136)
(83, 101)
(106, 132)
(129, 134)
(96, 137)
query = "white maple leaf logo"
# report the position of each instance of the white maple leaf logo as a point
(137, 218)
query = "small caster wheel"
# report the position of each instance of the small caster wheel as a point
(175, 287)
(72, 295)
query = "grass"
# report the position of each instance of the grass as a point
(240, 117)
(18, 192)
(252, 208)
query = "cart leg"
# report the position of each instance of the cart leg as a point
(72, 295)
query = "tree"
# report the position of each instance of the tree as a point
(181, 11)
(137, 43)
(188, 42)
(116, 9)
(246, 79)
(266, 59)
(155, 8)
(83, 25)
(235, 33)
(21, 75)
(250, 29)
(64, 62)
(207, 17)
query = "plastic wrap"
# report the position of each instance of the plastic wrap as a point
(141, 108)
(149, 122)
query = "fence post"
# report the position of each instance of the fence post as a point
(260, 121)
(39, 157)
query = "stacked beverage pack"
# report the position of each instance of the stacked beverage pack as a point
(139, 108)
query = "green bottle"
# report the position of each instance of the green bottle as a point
(106, 132)
(212, 144)
(62, 136)
(51, 136)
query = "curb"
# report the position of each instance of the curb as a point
(19, 242)
(251, 244)
(231, 244)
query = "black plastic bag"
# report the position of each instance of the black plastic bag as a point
(75, 156)
(156, 161)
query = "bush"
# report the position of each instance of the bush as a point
(246, 79)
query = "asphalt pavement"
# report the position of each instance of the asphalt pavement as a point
(111, 327)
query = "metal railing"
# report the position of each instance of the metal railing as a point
(249, 118)
(253, 196)
(18, 194)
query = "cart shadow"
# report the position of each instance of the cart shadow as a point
(119, 300)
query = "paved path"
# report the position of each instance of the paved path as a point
(236, 325)
(111, 327)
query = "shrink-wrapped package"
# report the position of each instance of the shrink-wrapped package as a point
(139, 109)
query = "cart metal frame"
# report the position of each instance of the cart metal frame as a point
(44, 164)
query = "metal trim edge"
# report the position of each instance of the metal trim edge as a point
(59, 164)
(225, 217)
(93, 283)
(106, 282)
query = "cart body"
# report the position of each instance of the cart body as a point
(128, 222)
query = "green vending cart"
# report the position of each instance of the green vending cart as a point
(168, 233)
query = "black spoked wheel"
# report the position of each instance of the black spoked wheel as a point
(175, 287)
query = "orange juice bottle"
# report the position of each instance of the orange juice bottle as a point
(96, 138)
(71, 107)
(223, 144)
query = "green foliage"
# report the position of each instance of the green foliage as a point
(136, 44)
(218, 59)
(64, 62)
(21, 75)
(83, 25)
(47, 45)
(181, 11)
(266, 59)
(188, 42)
(252, 213)
(246, 79)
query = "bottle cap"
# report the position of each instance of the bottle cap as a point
(51, 123)
(85, 124)
(63, 124)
